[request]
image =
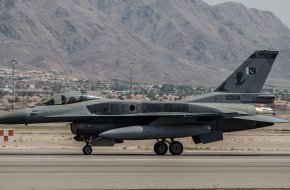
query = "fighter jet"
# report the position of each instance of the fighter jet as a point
(100, 121)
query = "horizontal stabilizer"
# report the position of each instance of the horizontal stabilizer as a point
(262, 118)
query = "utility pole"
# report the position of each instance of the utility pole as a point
(13, 62)
(131, 70)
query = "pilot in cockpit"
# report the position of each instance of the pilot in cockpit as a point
(67, 98)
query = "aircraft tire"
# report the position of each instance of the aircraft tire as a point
(160, 148)
(175, 148)
(87, 150)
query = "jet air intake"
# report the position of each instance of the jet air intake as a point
(156, 131)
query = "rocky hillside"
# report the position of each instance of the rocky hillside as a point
(176, 41)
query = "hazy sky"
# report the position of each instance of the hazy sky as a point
(281, 8)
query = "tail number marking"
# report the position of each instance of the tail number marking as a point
(232, 97)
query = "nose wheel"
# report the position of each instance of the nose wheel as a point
(175, 147)
(87, 149)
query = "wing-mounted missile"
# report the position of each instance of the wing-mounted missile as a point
(156, 131)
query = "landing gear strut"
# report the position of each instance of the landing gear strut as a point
(175, 147)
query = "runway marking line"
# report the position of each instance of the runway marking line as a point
(193, 160)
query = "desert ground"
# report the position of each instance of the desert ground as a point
(59, 137)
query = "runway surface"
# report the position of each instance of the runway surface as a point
(142, 170)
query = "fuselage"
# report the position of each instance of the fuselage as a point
(97, 116)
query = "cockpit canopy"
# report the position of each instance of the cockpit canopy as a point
(67, 98)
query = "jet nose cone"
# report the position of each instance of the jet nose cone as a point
(16, 117)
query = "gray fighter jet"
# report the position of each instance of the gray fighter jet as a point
(100, 122)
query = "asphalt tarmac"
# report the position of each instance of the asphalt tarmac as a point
(142, 170)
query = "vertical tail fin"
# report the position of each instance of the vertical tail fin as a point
(251, 75)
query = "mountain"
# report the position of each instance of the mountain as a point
(176, 41)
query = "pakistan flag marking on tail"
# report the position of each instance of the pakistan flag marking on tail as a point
(251, 75)
(251, 70)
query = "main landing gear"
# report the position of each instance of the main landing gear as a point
(175, 147)
(160, 147)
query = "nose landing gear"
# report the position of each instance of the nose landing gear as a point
(175, 147)
(87, 148)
